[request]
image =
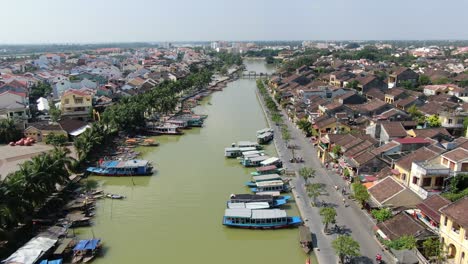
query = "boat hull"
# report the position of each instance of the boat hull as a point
(293, 221)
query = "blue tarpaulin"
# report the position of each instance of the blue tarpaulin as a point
(87, 244)
(55, 261)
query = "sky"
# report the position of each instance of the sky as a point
(97, 21)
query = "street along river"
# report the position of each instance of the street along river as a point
(175, 216)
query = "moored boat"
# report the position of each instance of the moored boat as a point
(234, 152)
(277, 185)
(265, 138)
(305, 239)
(273, 201)
(251, 205)
(261, 178)
(122, 168)
(164, 129)
(272, 161)
(259, 219)
(265, 130)
(267, 170)
(86, 250)
(254, 161)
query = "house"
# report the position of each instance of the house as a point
(404, 164)
(401, 75)
(393, 115)
(400, 225)
(365, 83)
(76, 103)
(454, 230)
(453, 121)
(364, 162)
(406, 103)
(13, 106)
(341, 78)
(390, 193)
(386, 131)
(39, 131)
(325, 125)
(436, 89)
(428, 211)
(394, 94)
(437, 133)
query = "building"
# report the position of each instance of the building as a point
(14, 106)
(76, 103)
(39, 131)
(401, 75)
(454, 230)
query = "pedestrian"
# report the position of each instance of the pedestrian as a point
(336, 187)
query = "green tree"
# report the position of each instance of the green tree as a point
(353, 84)
(403, 242)
(54, 112)
(306, 173)
(8, 131)
(285, 133)
(345, 245)
(56, 140)
(465, 125)
(443, 80)
(433, 121)
(424, 80)
(314, 190)
(434, 250)
(305, 126)
(328, 216)
(336, 150)
(382, 214)
(416, 114)
(360, 193)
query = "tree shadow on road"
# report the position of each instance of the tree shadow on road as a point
(362, 260)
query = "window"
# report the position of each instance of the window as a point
(439, 181)
(67, 101)
(445, 220)
(450, 121)
(403, 176)
(415, 180)
(426, 182)
(456, 228)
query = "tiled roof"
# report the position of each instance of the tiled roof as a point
(457, 154)
(430, 206)
(363, 157)
(420, 154)
(385, 189)
(394, 129)
(458, 211)
(410, 140)
(400, 225)
(390, 145)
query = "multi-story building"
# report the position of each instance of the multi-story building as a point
(76, 103)
(454, 231)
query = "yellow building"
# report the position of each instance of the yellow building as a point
(39, 131)
(454, 231)
(76, 103)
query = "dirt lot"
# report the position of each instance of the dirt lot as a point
(11, 157)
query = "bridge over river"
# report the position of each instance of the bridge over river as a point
(256, 75)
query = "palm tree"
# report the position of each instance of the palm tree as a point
(307, 173)
(8, 131)
(314, 190)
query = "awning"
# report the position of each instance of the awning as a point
(395, 172)
(87, 244)
(56, 261)
(381, 234)
(79, 131)
(31, 251)
(324, 140)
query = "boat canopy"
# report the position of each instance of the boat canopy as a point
(268, 214)
(266, 177)
(256, 152)
(231, 149)
(269, 161)
(250, 205)
(259, 158)
(245, 149)
(32, 251)
(55, 261)
(87, 244)
(271, 193)
(261, 131)
(269, 183)
(240, 212)
(265, 135)
(246, 144)
(267, 168)
(125, 164)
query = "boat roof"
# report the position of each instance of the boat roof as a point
(244, 149)
(248, 205)
(304, 234)
(270, 160)
(32, 251)
(246, 143)
(264, 135)
(259, 158)
(261, 131)
(55, 261)
(232, 149)
(266, 177)
(252, 152)
(124, 163)
(269, 183)
(239, 212)
(268, 213)
(272, 193)
(250, 197)
(87, 244)
(267, 168)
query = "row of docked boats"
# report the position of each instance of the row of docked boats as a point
(175, 124)
(120, 168)
(260, 210)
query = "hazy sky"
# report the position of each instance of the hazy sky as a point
(66, 21)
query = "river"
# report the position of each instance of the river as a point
(175, 215)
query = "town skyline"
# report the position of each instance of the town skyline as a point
(138, 21)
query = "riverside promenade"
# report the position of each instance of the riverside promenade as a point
(350, 218)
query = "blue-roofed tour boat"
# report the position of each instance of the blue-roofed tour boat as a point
(122, 168)
(259, 219)
(86, 250)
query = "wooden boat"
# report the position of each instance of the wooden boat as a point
(272, 161)
(273, 201)
(276, 185)
(305, 239)
(254, 161)
(149, 143)
(265, 130)
(234, 152)
(265, 138)
(122, 168)
(267, 170)
(115, 196)
(259, 219)
(85, 250)
(261, 178)
(165, 129)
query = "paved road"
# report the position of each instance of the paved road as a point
(351, 218)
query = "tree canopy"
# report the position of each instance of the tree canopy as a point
(345, 245)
